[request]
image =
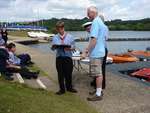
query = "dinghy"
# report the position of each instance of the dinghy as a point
(142, 74)
(122, 58)
(140, 53)
(40, 35)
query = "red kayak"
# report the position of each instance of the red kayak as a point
(142, 73)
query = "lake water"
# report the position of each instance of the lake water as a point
(113, 47)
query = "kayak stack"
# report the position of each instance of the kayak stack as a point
(140, 53)
(122, 58)
(131, 56)
(142, 74)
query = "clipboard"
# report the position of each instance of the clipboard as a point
(61, 46)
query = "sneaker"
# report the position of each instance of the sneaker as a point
(37, 72)
(9, 78)
(93, 92)
(95, 98)
(35, 76)
(60, 92)
(72, 90)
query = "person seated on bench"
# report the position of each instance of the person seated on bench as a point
(21, 60)
(7, 69)
(4, 56)
(16, 64)
(13, 59)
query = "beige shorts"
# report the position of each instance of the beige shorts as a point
(96, 66)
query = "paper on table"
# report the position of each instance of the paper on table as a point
(86, 60)
(76, 53)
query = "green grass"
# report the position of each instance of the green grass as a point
(18, 33)
(16, 98)
(42, 73)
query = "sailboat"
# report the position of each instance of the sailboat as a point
(40, 34)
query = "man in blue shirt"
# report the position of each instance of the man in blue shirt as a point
(96, 50)
(106, 54)
(87, 27)
(64, 44)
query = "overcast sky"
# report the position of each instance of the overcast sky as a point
(29, 10)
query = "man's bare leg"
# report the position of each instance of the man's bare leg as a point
(99, 80)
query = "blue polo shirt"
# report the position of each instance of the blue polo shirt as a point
(68, 40)
(98, 31)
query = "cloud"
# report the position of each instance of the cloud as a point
(25, 10)
(6, 3)
(69, 9)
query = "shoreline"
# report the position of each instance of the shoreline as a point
(27, 41)
(116, 39)
(121, 95)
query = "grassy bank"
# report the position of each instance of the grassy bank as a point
(15, 98)
(18, 33)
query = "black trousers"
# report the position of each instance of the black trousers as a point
(5, 39)
(104, 69)
(24, 72)
(64, 66)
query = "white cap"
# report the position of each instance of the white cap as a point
(87, 24)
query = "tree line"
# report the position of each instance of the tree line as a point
(76, 24)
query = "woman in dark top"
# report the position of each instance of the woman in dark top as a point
(4, 35)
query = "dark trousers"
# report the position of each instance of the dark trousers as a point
(24, 72)
(64, 66)
(5, 39)
(104, 69)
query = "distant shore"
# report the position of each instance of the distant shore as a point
(76, 24)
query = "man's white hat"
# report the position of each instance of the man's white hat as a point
(87, 24)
